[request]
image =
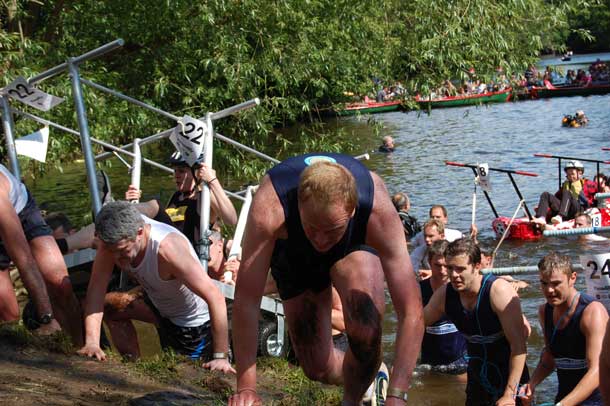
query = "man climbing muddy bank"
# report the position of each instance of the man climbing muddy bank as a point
(176, 295)
(27, 240)
(317, 219)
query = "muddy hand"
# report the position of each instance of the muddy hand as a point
(48, 329)
(92, 351)
(245, 397)
(221, 365)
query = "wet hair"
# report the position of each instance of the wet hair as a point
(464, 246)
(585, 215)
(555, 262)
(400, 200)
(438, 206)
(118, 221)
(440, 227)
(328, 183)
(57, 219)
(438, 248)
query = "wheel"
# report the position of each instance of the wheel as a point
(268, 345)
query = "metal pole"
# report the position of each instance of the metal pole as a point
(65, 66)
(136, 168)
(234, 109)
(493, 208)
(241, 224)
(577, 231)
(602, 196)
(95, 140)
(81, 115)
(512, 270)
(9, 130)
(559, 172)
(130, 99)
(512, 180)
(204, 202)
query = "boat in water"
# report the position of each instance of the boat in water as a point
(549, 90)
(465, 100)
(369, 107)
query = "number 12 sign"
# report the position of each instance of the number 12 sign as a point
(597, 276)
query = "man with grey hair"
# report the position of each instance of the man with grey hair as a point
(175, 294)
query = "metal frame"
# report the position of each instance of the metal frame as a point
(560, 157)
(510, 173)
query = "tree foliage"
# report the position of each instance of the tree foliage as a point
(298, 56)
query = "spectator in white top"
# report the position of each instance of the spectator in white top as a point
(438, 212)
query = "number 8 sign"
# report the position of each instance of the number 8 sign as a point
(188, 137)
(597, 276)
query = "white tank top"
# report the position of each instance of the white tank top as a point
(17, 194)
(172, 298)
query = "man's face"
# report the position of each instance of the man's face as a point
(572, 174)
(557, 287)
(324, 226)
(438, 266)
(183, 178)
(124, 252)
(431, 234)
(462, 275)
(437, 214)
(581, 221)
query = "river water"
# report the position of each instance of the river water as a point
(503, 135)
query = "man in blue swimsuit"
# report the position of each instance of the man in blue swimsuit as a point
(317, 219)
(487, 311)
(574, 324)
(443, 347)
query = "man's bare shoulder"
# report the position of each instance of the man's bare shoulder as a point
(502, 294)
(266, 212)
(594, 317)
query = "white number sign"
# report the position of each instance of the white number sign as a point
(20, 90)
(188, 137)
(597, 276)
(483, 177)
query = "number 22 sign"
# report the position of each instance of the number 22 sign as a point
(188, 137)
(20, 90)
(597, 276)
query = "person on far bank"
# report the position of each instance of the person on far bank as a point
(576, 194)
(574, 324)
(175, 294)
(487, 311)
(316, 220)
(27, 240)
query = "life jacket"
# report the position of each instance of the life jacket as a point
(586, 197)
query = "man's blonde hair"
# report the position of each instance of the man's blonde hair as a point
(440, 227)
(555, 262)
(327, 183)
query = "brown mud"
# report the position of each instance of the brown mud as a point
(39, 371)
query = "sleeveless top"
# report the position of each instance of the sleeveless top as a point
(442, 343)
(172, 298)
(18, 194)
(285, 179)
(488, 348)
(569, 348)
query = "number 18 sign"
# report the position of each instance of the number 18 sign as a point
(597, 276)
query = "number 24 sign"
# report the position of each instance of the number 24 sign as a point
(597, 276)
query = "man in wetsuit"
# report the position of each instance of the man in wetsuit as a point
(175, 294)
(27, 240)
(487, 311)
(574, 324)
(317, 219)
(443, 346)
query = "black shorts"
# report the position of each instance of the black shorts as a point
(194, 342)
(33, 226)
(295, 277)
